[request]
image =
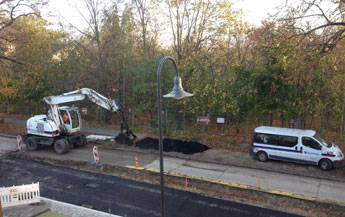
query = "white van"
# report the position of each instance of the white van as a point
(302, 146)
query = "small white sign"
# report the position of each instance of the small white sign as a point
(84, 111)
(220, 120)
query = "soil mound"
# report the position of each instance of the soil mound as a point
(173, 145)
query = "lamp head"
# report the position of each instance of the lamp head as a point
(177, 91)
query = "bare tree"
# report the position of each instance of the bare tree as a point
(94, 16)
(144, 17)
(323, 18)
(192, 23)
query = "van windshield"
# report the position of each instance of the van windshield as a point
(322, 140)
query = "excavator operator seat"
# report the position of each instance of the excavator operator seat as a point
(71, 118)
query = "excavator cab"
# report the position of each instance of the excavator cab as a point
(71, 118)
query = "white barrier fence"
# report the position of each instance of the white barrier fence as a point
(99, 137)
(19, 195)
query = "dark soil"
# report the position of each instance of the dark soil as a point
(173, 145)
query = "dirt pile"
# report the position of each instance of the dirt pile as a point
(172, 145)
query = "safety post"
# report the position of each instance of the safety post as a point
(20, 143)
(259, 182)
(136, 161)
(186, 182)
(95, 156)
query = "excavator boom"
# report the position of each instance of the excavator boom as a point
(126, 136)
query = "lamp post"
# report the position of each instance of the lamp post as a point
(177, 93)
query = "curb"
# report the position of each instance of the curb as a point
(241, 186)
(8, 136)
(76, 211)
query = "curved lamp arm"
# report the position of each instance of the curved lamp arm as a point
(177, 93)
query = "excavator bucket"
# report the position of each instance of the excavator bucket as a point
(126, 138)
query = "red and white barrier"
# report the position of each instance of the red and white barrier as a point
(136, 161)
(95, 156)
(19, 195)
(20, 143)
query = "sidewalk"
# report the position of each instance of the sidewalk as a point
(219, 166)
(225, 157)
(198, 166)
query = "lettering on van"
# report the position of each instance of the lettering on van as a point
(306, 152)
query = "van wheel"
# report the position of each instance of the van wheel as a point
(325, 164)
(261, 156)
(31, 144)
(61, 146)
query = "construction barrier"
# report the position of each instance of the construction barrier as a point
(99, 137)
(20, 143)
(96, 156)
(20, 195)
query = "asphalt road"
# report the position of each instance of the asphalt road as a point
(119, 196)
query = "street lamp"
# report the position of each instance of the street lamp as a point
(177, 93)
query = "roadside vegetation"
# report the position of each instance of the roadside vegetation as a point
(287, 72)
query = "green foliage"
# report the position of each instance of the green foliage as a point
(233, 69)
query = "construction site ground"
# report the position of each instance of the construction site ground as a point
(231, 154)
(218, 190)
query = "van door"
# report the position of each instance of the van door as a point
(311, 150)
(288, 148)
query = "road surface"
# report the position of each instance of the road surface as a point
(308, 186)
(116, 195)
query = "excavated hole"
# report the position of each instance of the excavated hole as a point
(173, 145)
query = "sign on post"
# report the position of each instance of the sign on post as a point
(84, 111)
(220, 121)
(203, 119)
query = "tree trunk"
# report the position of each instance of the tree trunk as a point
(271, 120)
(282, 120)
(132, 115)
(296, 122)
(247, 128)
(342, 118)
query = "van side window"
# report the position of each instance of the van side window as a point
(311, 143)
(264, 138)
(287, 141)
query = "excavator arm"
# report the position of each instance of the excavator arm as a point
(126, 136)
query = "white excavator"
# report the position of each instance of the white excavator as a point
(60, 127)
